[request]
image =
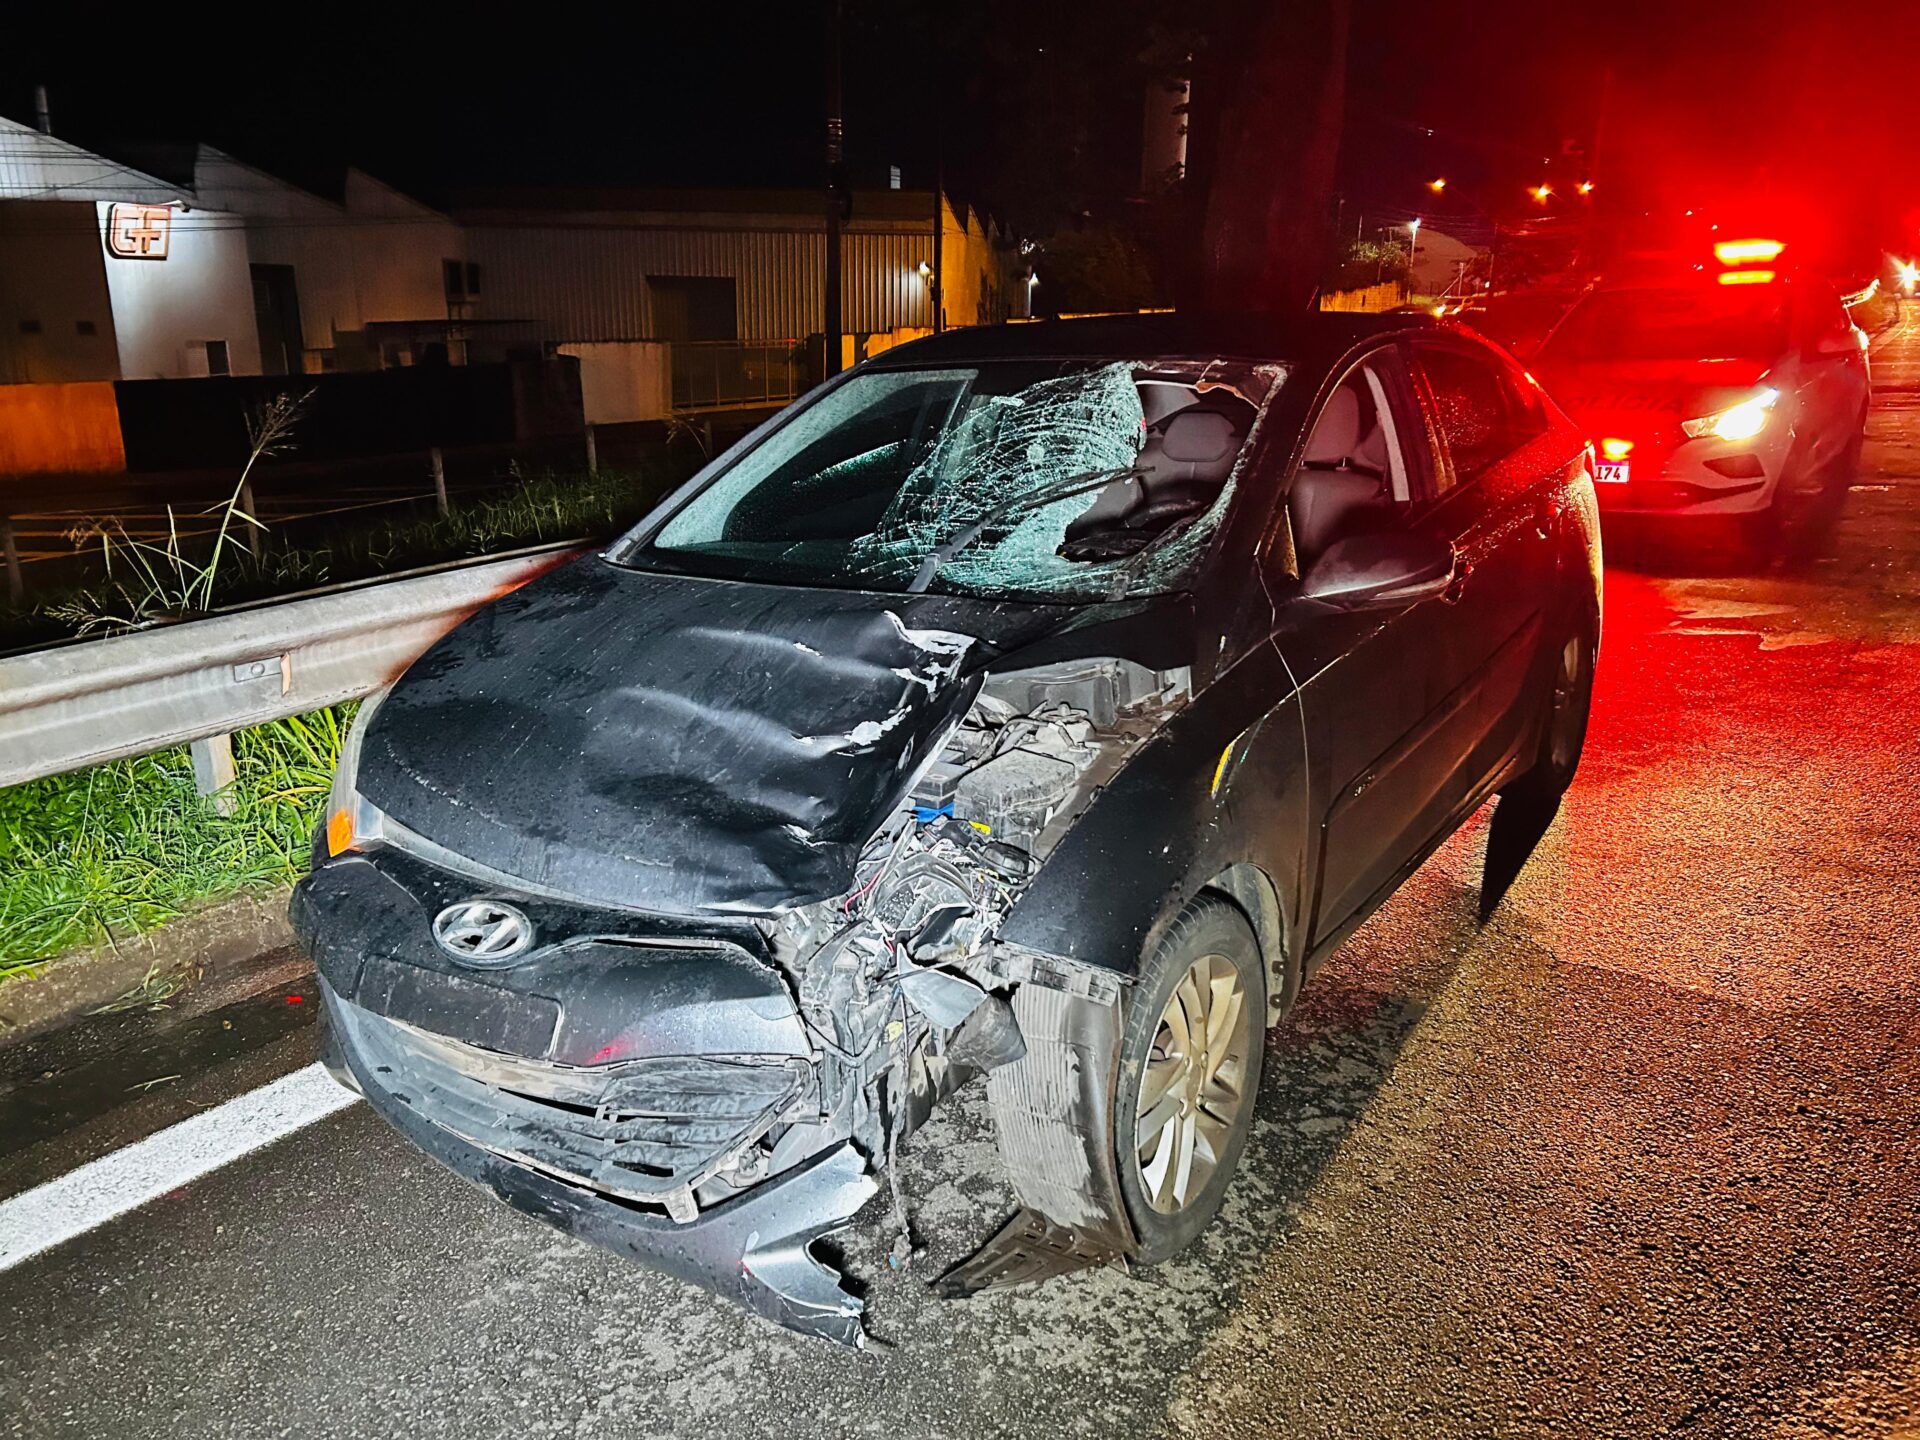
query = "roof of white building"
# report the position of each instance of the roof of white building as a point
(36, 166)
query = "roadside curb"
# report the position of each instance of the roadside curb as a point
(216, 940)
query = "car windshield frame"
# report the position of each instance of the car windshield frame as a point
(953, 448)
(1581, 339)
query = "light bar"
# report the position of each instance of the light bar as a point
(1746, 277)
(1740, 252)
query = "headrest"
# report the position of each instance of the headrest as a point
(1199, 437)
(1337, 432)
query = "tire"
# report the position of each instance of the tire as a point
(1210, 1091)
(1563, 736)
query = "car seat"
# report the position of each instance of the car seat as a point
(1341, 486)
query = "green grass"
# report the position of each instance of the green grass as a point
(126, 847)
(143, 582)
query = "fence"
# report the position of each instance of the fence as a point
(729, 374)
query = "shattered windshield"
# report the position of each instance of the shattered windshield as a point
(1069, 480)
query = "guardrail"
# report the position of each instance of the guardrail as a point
(97, 700)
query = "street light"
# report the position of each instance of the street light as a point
(1585, 187)
(1909, 276)
(1413, 245)
(1437, 184)
(1540, 193)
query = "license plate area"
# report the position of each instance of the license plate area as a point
(459, 1008)
(1611, 472)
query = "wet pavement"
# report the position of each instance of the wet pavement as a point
(1639, 1156)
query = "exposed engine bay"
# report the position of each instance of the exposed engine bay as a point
(901, 983)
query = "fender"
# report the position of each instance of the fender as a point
(1222, 787)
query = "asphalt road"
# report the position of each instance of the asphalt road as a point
(1640, 1156)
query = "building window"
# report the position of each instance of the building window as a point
(29, 327)
(84, 327)
(461, 280)
(217, 363)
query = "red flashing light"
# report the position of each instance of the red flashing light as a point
(1746, 277)
(1741, 252)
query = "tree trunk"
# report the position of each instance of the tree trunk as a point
(1268, 166)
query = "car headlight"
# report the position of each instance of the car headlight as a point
(351, 821)
(1737, 422)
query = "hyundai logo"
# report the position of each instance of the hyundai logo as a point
(482, 932)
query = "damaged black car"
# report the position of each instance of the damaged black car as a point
(1037, 704)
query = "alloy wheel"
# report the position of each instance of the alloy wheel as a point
(1194, 1087)
(1564, 741)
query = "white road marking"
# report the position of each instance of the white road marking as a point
(107, 1188)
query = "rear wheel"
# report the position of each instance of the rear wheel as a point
(1564, 735)
(1189, 1070)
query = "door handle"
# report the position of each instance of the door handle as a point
(1457, 587)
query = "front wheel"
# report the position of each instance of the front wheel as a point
(1189, 1070)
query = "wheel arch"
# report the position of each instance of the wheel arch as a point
(1251, 891)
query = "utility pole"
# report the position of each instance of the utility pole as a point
(937, 280)
(836, 190)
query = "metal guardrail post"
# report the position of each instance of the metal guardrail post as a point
(593, 453)
(439, 481)
(16, 580)
(213, 769)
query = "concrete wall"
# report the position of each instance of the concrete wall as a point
(623, 381)
(164, 311)
(53, 277)
(60, 429)
(1370, 299)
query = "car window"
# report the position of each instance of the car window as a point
(1357, 472)
(1053, 479)
(1818, 313)
(1694, 322)
(1482, 410)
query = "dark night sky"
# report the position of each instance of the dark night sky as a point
(1766, 96)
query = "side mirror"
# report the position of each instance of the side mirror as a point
(1835, 344)
(1387, 570)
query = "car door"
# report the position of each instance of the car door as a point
(1364, 676)
(1830, 371)
(1496, 493)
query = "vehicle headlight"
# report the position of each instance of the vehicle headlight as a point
(1738, 422)
(351, 821)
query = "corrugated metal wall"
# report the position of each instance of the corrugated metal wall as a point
(586, 284)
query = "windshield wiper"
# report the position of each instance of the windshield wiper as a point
(946, 550)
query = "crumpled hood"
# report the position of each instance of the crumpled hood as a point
(1658, 391)
(677, 744)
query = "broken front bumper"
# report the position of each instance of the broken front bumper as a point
(753, 1248)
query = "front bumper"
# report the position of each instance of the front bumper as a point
(1697, 478)
(753, 1249)
(632, 1094)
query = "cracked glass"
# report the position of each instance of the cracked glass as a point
(1056, 480)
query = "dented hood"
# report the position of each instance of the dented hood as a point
(677, 744)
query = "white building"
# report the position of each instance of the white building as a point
(712, 265)
(107, 272)
(192, 262)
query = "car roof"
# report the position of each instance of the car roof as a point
(1310, 337)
